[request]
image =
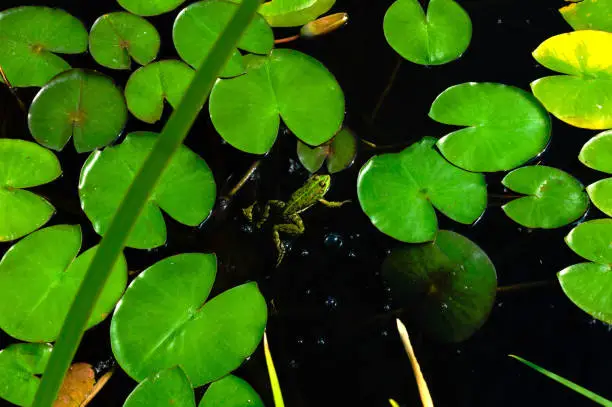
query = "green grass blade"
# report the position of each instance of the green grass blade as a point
(578, 389)
(170, 139)
(276, 390)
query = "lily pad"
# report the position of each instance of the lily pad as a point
(582, 96)
(438, 37)
(554, 199)
(588, 285)
(148, 7)
(186, 190)
(339, 153)
(399, 192)
(592, 240)
(289, 84)
(39, 278)
(168, 388)
(150, 85)
(508, 126)
(282, 13)
(117, 37)
(20, 365)
(29, 38)
(24, 165)
(231, 391)
(207, 339)
(199, 25)
(588, 15)
(597, 152)
(451, 281)
(80, 103)
(600, 193)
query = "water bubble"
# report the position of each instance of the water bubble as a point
(385, 333)
(321, 341)
(444, 306)
(499, 304)
(246, 228)
(387, 307)
(333, 240)
(499, 21)
(458, 351)
(331, 302)
(354, 236)
(299, 340)
(293, 364)
(352, 254)
(308, 291)
(387, 289)
(304, 252)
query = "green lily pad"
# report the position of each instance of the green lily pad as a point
(508, 126)
(592, 240)
(399, 192)
(168, 388)
(150, 85)
(199, 25)
(597, 152)
(39, 278)
(554, 199)
(588, 15)
(288, 84)
(451, 281)
(438, 37)
(283, 13)
(117, 37)
(79, 103)
(231, 391)
(186, 190)
(29, 38)
(339, 153)
(600, 193)
(582, 96)
(207, 339)
(589, 286)
(20, 364)
(24, 165)
(148, 7)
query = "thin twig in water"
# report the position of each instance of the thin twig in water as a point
(524, 286)
(243, 180)
(383, 95)
(421, 383)
(12, 89)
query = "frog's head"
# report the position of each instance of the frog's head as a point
(322, 182)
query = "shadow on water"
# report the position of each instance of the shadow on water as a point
(332, 343)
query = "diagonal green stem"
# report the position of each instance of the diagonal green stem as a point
(112, 244)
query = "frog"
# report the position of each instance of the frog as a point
(312, 192)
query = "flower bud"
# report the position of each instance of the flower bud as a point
(324, 25)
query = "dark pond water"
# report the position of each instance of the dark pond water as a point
(332, 336)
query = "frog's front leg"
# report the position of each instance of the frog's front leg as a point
(333, 204)
(296, 227)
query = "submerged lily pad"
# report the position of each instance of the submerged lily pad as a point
(148, 7)
(339, 153)
(199, 25)
(588, 286)
(208, 339)
(230, 391)
(21, 364)
(451, 281)
(399, 192)
(150, 85)
(117, 37)
(597, 152)
(600, 193)
(438, 37)
(39, 278)
(592, 240)
(167, 388)
(288, 84)
(24, 165)
(29, 38)
(79, 103)
(186, 190)
(508, 126)
(582, 96)
(588, 15)
(554, 199)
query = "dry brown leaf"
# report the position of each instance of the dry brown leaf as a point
(78, 384)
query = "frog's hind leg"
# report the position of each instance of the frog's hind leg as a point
(248, 211)
(266, 211)
(333, 204)
(295, 228)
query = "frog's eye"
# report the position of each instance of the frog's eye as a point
(322, 183)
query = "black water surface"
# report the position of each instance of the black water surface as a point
(333, 340)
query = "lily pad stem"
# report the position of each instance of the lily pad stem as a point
(383, 95)
(243, 180)
(287, 39)
(12, 89)
(524, 286)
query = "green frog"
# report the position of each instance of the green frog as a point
(308, 195)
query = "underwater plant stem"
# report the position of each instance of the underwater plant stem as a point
(276, 390)
(524, 286)
(416, 368)
(578, 389)
(287, 39)
(383, 95)
(247, 175)
(171, 137)
(12, 89)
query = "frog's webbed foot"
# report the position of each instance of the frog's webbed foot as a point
(295, 228)
(333, 204)
(248, 212)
